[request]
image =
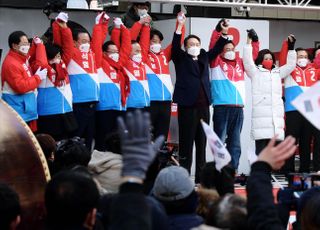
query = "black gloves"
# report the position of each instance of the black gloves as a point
(218, 26)
(252, 34)
(291, 43)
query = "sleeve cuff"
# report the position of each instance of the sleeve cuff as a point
(261, 166)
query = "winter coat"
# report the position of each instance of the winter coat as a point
(267, 104)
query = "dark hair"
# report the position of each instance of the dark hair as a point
(189, 37)
(148, 4)
(71, 152)
(77, 31)
(229, 42)
(15, 38)
(261, 54)
(302, 49)
(230, 212)
(223, 181)
(314, 52)
(9, 206)
(154, 32)
(134, 42)
(310, 217)
(106, 45)
(52, 50)
(69, 197)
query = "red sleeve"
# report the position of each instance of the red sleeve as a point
(125, 49)
(99, 34)
(135, 30)
(145, 42)
(20, 82)
(283, 53)
(316, 61)
(57, 39)
(67, 45)
(255, 49)
(40, 58)
(115, 37)
(167, 50)
(214, 38)
(32, 53)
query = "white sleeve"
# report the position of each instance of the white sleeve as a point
(286, 69)
(249, 66)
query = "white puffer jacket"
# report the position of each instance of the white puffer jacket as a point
(267, 104)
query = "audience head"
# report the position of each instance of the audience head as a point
(228, 51)
(175, 190)
(223, 181)
(81, 39)
(71, 152)
(111, 50)
(71, 199)
(48, 145)
(207, 197)
(229, 212)
(266, 58)
(18, 41)
(10, 209)
(308, 209)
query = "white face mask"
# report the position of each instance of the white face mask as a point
(155, 48)
(194, 51)
(302, 62)
(137, 58)
(24, 49)
(114, 56)
(142, 12)
(230, 55)
(55, 61)
(84, 47)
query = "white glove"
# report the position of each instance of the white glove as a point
(144, 16)
(63, 17)
(181, 17)
(101, 16)
(42, 73)
(117, 22)
(37, 40)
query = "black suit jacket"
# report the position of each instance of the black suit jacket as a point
(188, 75)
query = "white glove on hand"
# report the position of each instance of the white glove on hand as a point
(37, 40)
(42, 73)
(181, 17)
(63, 17)
(117, 22)
(101, 16)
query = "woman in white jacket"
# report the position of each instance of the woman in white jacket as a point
(267, 104)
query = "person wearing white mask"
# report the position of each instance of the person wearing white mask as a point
(228, 92)
(160, 83)
(135, 71)
(192, 94)
(19, 82)
(113, 85)
(300, 79)
(82, 70)
(136, 11)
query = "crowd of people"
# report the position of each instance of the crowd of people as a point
(83, 97)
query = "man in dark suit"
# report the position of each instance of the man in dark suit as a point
(192, 94)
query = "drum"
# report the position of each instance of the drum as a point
(23, 166)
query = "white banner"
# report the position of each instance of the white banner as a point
(308, 104)
(220, 154)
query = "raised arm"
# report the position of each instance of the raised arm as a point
(283, 53)
(176, 50)
(145, 41)
(99, 35)
(262, 212)
(249, 66)
(316, 60)
(290, 65)
(125, 48)
(167, 50)
(40, 55)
